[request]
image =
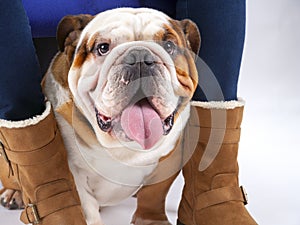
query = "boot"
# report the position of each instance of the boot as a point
(34, 160)
(211, 195)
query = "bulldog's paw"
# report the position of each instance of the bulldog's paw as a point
(11, 199)
(98, 223)
(141, 221)
(95, 220)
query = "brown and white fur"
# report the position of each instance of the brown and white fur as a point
(107, 166)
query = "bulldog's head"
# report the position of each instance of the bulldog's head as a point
(133, 73)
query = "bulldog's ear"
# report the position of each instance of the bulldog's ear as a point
(192, 35)
(69, 29)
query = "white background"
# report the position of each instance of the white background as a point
(269, 153)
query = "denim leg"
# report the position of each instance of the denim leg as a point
(222, 27)
(20, 91)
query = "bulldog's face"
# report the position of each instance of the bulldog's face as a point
(133, 73)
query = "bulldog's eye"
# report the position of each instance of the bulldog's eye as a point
(170, 47)
(103, 49)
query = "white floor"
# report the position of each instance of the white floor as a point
(269, 152)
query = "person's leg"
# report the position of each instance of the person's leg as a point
(211, 195)
(32, 154)
(20, 91)
(222, 27)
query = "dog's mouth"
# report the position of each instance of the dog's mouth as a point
(139, 122)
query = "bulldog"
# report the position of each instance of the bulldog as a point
(120, 87)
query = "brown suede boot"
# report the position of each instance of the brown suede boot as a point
(211, 195)
(33, 158)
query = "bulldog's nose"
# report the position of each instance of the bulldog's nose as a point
(139, 57)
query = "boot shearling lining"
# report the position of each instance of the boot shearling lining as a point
(219, 104)
(28, 122)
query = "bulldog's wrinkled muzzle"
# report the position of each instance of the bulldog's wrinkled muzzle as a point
(140, 93)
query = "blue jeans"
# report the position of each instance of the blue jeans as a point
(222, 27)
(20, 92)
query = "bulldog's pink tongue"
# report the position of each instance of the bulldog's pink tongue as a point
(142, 124)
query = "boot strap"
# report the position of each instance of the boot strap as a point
(34, 213)
(221, 195)
(28, 158)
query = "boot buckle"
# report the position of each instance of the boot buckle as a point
(245, 196)
(34, 212)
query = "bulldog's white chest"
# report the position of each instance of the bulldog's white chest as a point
(99, 177)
